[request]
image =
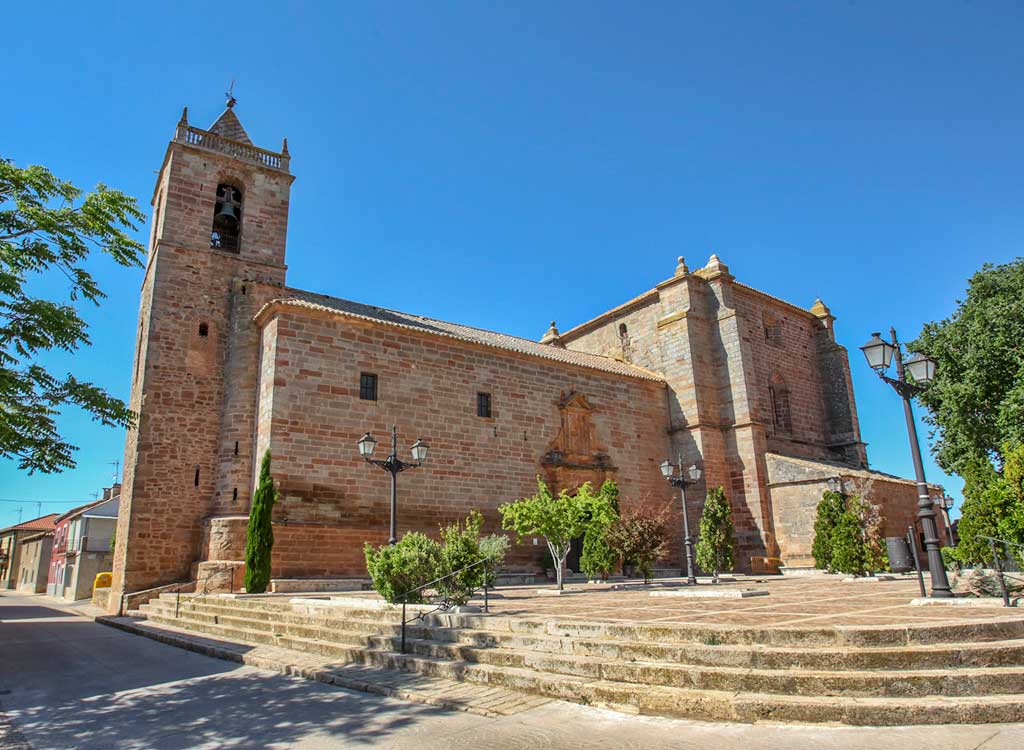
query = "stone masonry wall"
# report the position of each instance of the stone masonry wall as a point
(192, 298)
(797, 486)
(332, 501)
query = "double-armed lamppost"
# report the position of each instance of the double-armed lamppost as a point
(879, 354)
(680, 481)
(393, 465)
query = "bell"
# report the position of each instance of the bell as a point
(226, 209)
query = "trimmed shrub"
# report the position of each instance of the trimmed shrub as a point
(830, 510)
(848, 553)
(599, 558)
(461, 548)
(397, 569)
(259, 535)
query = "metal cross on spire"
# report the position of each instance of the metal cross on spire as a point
(232, 101)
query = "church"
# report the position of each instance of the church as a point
(231, 362)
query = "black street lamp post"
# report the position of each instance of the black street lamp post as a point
(879, 355)
(393, 465)
(680, 481)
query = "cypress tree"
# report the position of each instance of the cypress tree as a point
(830, 510)
(259, 537)
(715, 543)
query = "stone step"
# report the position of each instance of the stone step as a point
(716, 705)
(448, 694)
(998, 629)
(908, 683)
(941, 656)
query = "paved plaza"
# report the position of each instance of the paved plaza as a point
(796, 602)
(66, 682)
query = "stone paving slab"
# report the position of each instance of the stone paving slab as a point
(812, 601)
(449, 694)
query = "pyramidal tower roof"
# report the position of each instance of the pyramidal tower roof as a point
(229, 126)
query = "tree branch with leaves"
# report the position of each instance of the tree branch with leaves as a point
(47, 226)
(558, 518)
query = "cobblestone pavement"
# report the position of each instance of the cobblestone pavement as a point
(66, 682)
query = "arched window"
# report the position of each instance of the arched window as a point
(227, 219)
(624, 342)
(778, 393)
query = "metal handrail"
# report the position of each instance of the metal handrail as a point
(998, 563)
(446, 603)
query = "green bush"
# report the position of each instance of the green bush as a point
(830, 510)
(494, 547)
(715, 542)
(951, 558)
(461, 549)
(848, 553)
(402, 567)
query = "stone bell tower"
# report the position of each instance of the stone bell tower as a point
(216, 255)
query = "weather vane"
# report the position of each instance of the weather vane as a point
(232, 101)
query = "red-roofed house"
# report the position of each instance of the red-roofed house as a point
(81, 546)
(10, 547)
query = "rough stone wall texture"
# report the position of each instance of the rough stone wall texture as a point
(331, 501)
(796, 487)
(727, 353)
(178, 466)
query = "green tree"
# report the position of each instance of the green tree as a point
(558, 518)
(48, 227)
(993, 507)
(715, 543)
(259, 536)
(599, 558)
(830, 510)
(976, 402)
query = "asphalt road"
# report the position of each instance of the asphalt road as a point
(66, 682)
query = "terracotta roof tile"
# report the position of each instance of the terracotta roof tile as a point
(348, 308)
(43, 523)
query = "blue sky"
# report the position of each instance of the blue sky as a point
(505, 164)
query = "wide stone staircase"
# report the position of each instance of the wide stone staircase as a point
(922, 674)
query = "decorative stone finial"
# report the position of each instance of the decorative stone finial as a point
(232, 101)
(681, 267)
(184, 117)
(552, 337)
(284, 147)
(715, 265)
(820, 309)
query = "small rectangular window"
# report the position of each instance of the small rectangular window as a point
(367, 386)
(483, 404)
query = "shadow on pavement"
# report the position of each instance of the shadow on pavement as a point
(78, 684)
